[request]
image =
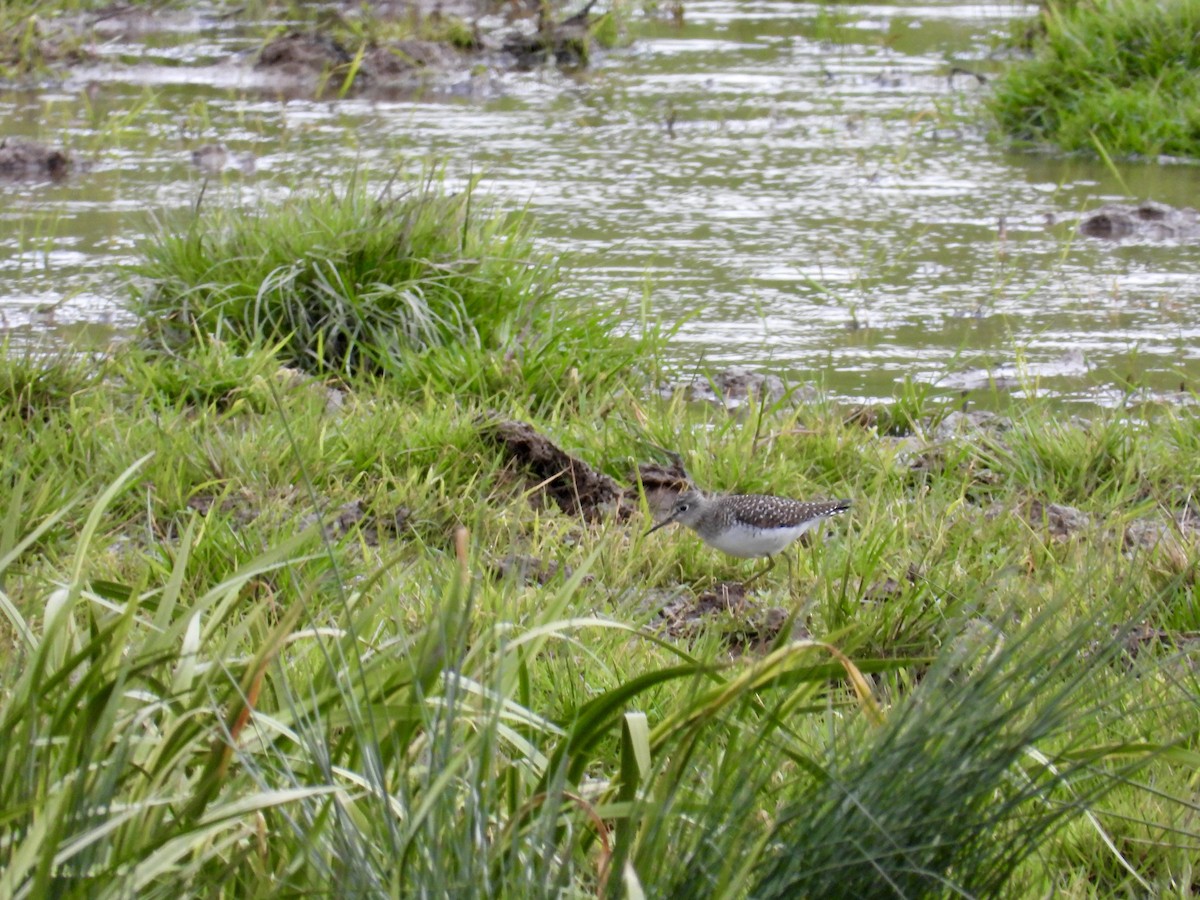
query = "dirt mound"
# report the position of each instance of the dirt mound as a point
(1147, 221)
(577, 488)
(27, 159)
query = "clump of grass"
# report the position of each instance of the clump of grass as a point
(211, 373)
(369, 29)
(34, 382)
(1119, 77)
(31, 41)
(954, 792)
(351, 281)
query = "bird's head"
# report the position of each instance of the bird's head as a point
(686, 509)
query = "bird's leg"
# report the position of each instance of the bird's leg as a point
(753, 578)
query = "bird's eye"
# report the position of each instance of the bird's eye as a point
(682, 507)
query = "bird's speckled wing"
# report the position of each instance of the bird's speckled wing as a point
(762, 511)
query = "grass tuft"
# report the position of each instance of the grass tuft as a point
(1121, 76)
(33, 383)
(350, 281)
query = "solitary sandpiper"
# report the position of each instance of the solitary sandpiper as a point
(749, 525)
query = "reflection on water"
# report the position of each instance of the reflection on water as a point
(795, 190)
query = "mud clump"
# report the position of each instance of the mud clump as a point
(577, 488)
(568, 42)
(529, 569)
(1147, 221)
(663, 484)
(1137, 638)
(402, 58)
(27, 159)
(309, 55)
(973, 423)
(453, 46)
(298, 54)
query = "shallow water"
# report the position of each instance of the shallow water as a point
(788, 182)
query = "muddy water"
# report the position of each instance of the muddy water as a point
(792, 185)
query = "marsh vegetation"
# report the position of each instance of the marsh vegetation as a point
(264, 631)
(334, 573)
(1116, 78)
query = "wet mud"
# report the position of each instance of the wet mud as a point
(1146, 221)
(29, 159)
(577, 488)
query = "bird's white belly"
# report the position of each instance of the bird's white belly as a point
(746, 542)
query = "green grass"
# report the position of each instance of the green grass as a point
(414, 283)
(348, 281)
(203, 689)
(1121, 77)
(258, 642)
(369, 29)
(29, 45)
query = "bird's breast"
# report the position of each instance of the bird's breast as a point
(748, 541)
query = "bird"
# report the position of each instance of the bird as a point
(749, 525)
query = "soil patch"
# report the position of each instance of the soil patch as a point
(1147, 221)
(577, 488)
(662, 485)
(745, 626)
(27, 159)
(1061, 522)
(301, 54)
(444, 46)
(529, 569)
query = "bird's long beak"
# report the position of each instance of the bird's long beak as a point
(667, 521)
